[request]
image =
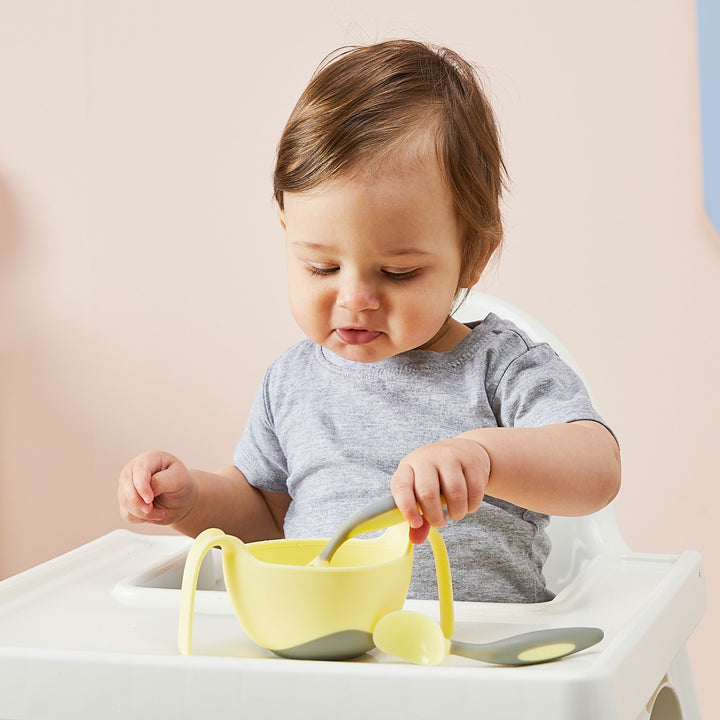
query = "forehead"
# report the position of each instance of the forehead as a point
(409, 165)
(398, 211)
(414, 185)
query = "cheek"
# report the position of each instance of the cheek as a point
(308, 303)
(437, 297)
(299, 301)
(296, 294)
(423, 315)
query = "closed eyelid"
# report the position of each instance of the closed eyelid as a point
(324, 264)
(402, 274)
(400, 270)
(321, 270)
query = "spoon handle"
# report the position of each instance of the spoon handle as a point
(379, 515)
(532, 647)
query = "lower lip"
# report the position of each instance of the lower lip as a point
(357, 337)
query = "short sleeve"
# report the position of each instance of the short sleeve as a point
(538, 388)
(258, 454)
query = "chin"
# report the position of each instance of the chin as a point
(361, 357)
(359, 353)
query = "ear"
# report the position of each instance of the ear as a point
(281, 215)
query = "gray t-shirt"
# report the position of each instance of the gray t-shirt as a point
(331, 432)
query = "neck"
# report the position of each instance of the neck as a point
(447, 337)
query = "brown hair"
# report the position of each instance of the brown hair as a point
(365, 102)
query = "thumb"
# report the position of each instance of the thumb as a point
(144, 468)
(168, 480)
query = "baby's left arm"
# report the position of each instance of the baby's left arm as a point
(564, 469)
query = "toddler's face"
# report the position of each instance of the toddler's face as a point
(374, 262)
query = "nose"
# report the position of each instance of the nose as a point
(357, 294)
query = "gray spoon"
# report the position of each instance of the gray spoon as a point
(417, 638)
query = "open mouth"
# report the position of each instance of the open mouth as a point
(357, 336)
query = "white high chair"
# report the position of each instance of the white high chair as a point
(93, 633)
(679, 601)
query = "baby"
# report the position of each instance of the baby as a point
(388, 181)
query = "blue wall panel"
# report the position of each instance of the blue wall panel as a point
(709, 41)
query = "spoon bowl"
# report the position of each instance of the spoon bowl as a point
(418, 639)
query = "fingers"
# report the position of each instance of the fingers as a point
(428, 486)
(456, 469)
(138, 487)
(402, 485)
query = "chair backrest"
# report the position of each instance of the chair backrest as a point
(575, 540)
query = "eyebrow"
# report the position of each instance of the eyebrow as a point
(396, 252)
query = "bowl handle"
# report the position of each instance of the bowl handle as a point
(444, 582)
(199, 549)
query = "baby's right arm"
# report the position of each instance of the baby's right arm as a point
(158, 488)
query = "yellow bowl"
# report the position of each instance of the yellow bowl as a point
(299, 611)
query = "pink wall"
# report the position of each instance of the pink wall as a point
(141, 263)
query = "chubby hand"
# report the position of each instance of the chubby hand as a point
(156, 487)
(458, 469)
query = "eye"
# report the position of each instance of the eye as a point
(402, 274)
(320, 271)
